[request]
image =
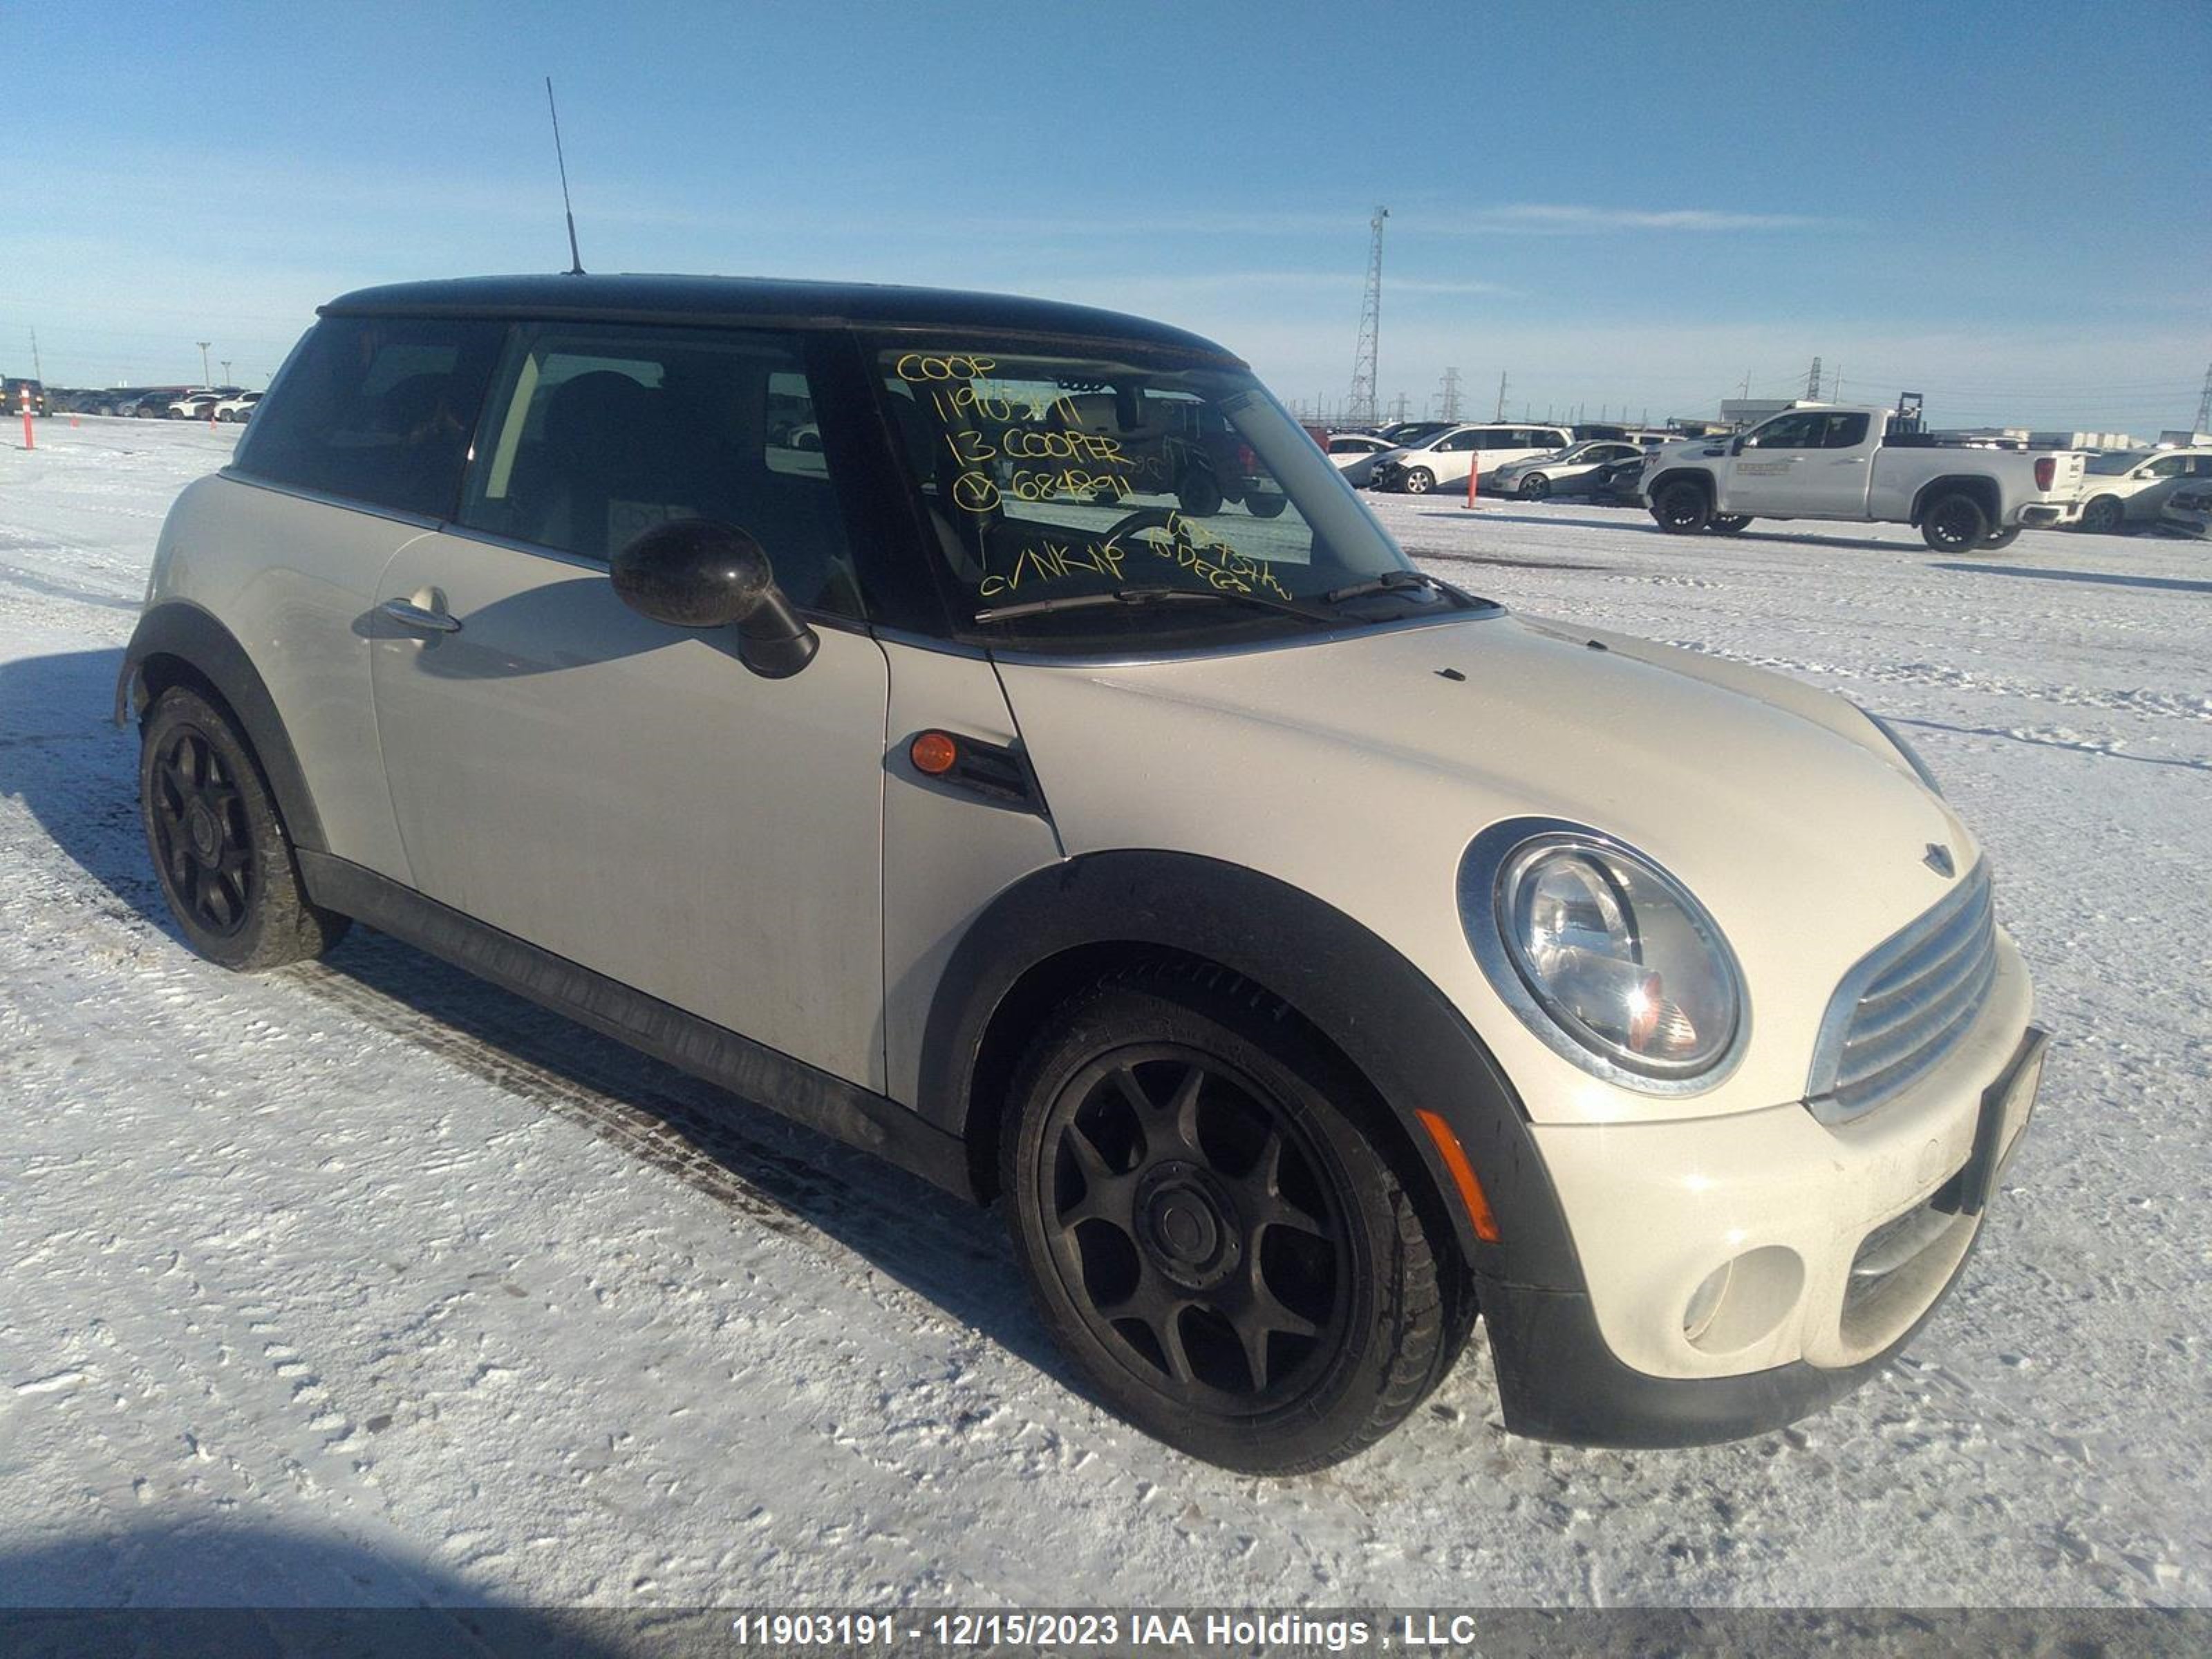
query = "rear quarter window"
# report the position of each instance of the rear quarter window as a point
(375, 409)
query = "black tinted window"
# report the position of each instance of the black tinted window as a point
(596, 435)
(1844, 432)
(376, 409)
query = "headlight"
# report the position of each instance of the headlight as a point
(1604, 955)
(1911, 756)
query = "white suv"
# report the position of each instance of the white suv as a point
(1310, 956)
(2131, 486)
(1446, 456)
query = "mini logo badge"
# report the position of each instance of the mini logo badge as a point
(1938, 859)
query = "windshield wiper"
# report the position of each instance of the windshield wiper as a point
(1398, 581)
(999, 613)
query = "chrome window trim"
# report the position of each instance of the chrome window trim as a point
(1836, 1022)
(1481, 868)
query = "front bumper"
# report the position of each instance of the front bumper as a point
(1839, 1241)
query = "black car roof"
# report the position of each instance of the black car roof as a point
(759, 300)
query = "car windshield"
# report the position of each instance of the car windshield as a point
(1078, 480)
(2112, 466)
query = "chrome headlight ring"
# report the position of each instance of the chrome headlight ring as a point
(1531, 889)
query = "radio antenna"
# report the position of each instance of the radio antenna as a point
(576, 259)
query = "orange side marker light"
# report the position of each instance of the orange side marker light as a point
(1462, 1173)
(933, 753)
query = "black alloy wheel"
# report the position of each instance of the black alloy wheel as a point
(1193, 1228)
(218, 842)
(2000, 538)
(1957, 523)
(1727, 524)
(1682, 508)
(201, 840)
(1213, 1226)
(1535, 487)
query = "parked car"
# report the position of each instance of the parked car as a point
(193, 406)
(1618, 484)
(1026, 836)
(154, 405)
(1862, 465)
(2131, 486)
(2188, 512)
(1402, 432)
(1569, 472)
(237, 408)
(1446, 456)
(21, 392)
(1354, 455)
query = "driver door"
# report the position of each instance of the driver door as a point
(626, 794)
(1807, 463)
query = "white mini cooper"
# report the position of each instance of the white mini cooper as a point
(1051, 777)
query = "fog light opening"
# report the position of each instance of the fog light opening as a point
(1705, 1301)
(1744, 1301)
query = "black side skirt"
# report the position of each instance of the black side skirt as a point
(843, 1110)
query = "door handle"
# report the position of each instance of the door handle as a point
(411, 614)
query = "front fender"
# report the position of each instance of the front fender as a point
(1387, 1019)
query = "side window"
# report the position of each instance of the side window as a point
(1460, 442)
(596, 435)
(1803, 430)
(376, 409)
(2173, 466)
(1846, 432)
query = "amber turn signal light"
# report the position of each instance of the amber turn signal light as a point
(1462, 1174)
(933, 753)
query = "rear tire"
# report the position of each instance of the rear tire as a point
(1210, 1230)
(1727, 524)
(1954, 523)
(1682, 508)
(2000, 538)
(218, 843)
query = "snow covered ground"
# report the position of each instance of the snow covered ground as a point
(365, 1282)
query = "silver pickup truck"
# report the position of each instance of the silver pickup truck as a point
(1862, 465)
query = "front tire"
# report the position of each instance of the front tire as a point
(1419, 481)
(2104, 516)
(1209, 1228)
(1956, 524)
(1535, 487)
(2000, 538)
(1682, 508)
(1727, 524)
(218, 843)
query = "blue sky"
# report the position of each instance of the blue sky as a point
(1638, 206)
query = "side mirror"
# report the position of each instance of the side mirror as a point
(700, 573)
(1736, 448)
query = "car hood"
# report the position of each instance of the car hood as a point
(1359, 769)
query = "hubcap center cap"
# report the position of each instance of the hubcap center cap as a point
(1187, 1223)
(206, 834)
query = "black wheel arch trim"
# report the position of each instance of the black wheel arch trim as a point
(1693, 474)
(191, 635)
(1982, 487)
(1389, 1020)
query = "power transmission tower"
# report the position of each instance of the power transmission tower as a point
(2204, 405)
(1813, 382)
(1500, 415)
(1448, 400)
(38, 374)
(1362, 411)
(1397, 409)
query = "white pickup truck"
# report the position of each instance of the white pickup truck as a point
(1865, 465)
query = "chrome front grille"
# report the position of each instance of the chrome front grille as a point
(1907, 1004)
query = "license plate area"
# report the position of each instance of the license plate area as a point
(2007, 1105)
